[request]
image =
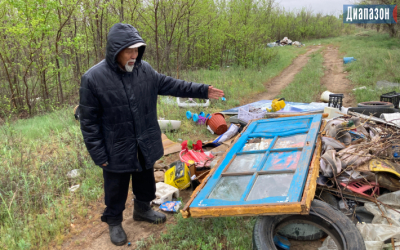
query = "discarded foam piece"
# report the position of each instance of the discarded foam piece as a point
(332, 112)
(191, 103)
(165, 192)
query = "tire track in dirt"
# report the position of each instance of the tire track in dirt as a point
(278, 83)
(335, 78)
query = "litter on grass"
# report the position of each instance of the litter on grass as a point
(360, 166)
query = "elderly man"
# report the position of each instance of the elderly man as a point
(118, 113)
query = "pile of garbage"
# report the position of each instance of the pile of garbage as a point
(360, 167)
(285, 41)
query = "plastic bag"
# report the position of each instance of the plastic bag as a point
(171, 206)
(391, 199)
(329, 244)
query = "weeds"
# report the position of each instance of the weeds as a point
(212, 233)
(37, 153)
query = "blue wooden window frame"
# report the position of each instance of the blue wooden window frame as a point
(274, 128)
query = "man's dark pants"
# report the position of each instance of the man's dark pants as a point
(116, 187)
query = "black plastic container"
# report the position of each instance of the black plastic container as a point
(335, 100)
(391, 97)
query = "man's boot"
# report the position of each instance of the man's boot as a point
(117, 233)
(143, 212)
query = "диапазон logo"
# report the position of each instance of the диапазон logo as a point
(369, 13)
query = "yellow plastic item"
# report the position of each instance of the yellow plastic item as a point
(178, 175)
(383, 166)
(277, 104)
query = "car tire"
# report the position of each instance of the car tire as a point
(376, 104)
(375, 111)
(322, 215)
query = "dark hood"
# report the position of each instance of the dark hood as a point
(120, 37)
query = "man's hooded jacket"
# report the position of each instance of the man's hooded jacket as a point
(118, 109)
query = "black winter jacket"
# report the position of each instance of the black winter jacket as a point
(118, 110)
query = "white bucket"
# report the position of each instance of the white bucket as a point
(325, 96)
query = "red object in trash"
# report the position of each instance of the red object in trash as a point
(196, 155)
(217, 123)
(200, 159)
(360, 187)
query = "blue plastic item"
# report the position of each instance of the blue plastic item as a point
(348, 59)
(282, 242)
(223, 98)
(202, 114)
(188, 114)
(195, 117)
(208, 116)
(396, 151)
(171, 206)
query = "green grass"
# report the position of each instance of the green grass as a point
(239, 85)
(306, 84)
(204, 234)
(377, 58)
(36, 154)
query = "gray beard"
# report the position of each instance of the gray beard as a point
(129, 68)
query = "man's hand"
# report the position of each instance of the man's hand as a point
(214, 93)
(104, 164)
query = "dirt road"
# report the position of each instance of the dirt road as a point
(278, 83)
(335, 77)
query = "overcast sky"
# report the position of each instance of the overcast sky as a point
(325, 6)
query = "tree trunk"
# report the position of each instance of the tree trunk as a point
(9, 82)
(59, 75)
(121, 16)
(156, 33)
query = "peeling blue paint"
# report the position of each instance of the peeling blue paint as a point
(295, 159)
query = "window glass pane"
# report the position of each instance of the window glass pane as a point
(257, 144)
(270, 185)
(230, 188)
(245, 163)
(294, 141)
(276, 126)
(282, 161)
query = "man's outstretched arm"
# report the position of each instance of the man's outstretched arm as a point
(179, 88)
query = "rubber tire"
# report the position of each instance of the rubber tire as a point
(301, 234)
(325, 197)
(328, 198)
(375, 111)
(376, 104)
(322, 215)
